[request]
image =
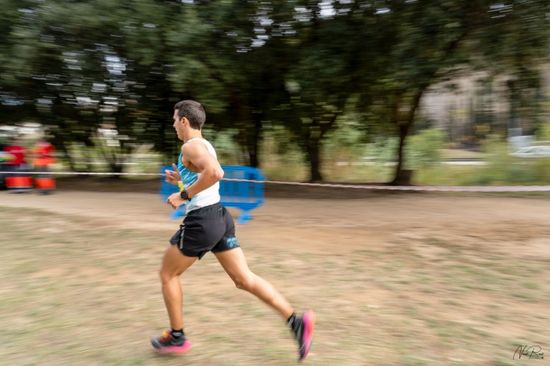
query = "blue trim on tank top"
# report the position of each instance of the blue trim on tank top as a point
(187, 177)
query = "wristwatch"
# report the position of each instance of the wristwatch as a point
(184, 195)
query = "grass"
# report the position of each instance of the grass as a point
(461, 154)
(77, 293)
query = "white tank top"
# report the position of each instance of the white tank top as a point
(207, 197)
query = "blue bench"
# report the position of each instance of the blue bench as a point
(245, 196)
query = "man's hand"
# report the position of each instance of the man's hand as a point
(172, 176)
(175, 200)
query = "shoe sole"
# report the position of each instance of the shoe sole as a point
(174, 350)
(309, 320)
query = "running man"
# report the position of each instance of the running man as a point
(206, 227)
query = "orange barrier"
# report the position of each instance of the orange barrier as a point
(44, 183)
(19, 183)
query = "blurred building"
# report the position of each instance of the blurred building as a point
(472, 106)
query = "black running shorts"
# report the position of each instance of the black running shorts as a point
(205, 229)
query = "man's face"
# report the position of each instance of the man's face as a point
(178, 125)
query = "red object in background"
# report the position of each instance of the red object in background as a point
(43, 154)
(18, 153)
(44, 183)
(43, 158)
(18, 183)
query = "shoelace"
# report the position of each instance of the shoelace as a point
(166, 336)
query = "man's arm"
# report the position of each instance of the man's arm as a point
(199, 160)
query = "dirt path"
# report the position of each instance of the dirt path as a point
(318, 223)
(406, 279)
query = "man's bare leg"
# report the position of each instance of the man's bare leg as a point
(174, 263)
(234, 263)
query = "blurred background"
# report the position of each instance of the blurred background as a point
(425, 92)
(410, 91)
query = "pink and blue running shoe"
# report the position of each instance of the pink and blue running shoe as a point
(302, 327)
(168, 344)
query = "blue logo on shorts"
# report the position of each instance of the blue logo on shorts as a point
(232, 242)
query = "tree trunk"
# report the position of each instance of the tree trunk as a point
(162, 120)
(314, 137)
(254, 140)
(116, 168)
(160, 138)
(253, 154)
(403, 176)
(313, 150)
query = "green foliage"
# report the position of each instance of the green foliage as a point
(344, 143)
(424, 149)
(283, 157)
(75, 65)
(227, 149)
(502, 168)
(382, 150)
(543, 133)
(541, 171)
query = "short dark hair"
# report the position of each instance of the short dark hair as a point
(193, 111)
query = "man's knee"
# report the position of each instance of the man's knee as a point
(172, 266)
(166, 276)
(244, 281)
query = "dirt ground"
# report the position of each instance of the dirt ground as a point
(395, 279)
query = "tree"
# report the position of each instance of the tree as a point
(54, 62)
(321, 77)
(239, 68)
(423, 42)
(300, 63)
(76, 65)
